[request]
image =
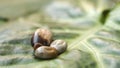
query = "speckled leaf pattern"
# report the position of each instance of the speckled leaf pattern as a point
(91, 43)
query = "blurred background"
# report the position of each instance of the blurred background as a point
(87, 26)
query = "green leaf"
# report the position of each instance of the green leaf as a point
(90, 43)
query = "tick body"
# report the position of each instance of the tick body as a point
(42, 36)
(45, 52)
(59, 45)
(44, 46)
